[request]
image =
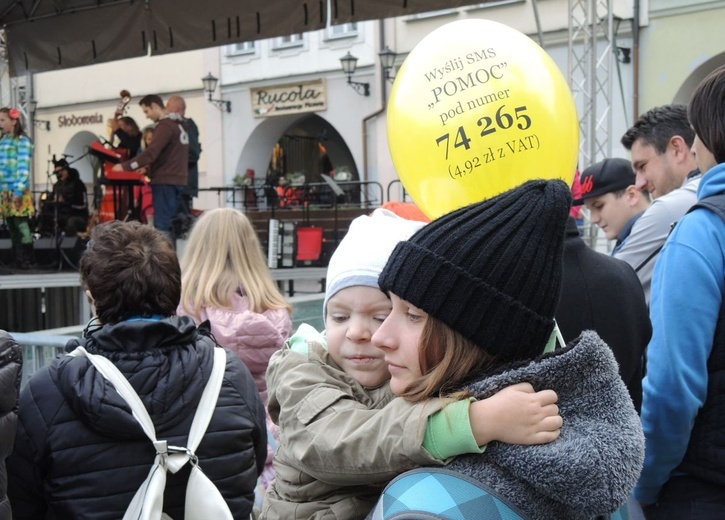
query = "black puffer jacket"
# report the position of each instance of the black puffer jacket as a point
(79, 452)
(10, 371)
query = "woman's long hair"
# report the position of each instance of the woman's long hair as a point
(131, 124)
(223, 255)
(18, 129)
(447, 361)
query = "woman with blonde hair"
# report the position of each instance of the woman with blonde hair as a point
(226, 280)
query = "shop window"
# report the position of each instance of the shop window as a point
(433, 14)
(443, 12)
(496, 3)
(241, 48)
(343, 30)
(285, 42)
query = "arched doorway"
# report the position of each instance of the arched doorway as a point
(76, 152)
(688, 87)
(294, 149)
(312, 147)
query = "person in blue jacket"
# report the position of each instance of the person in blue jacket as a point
(683, 410)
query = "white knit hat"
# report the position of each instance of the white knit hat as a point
(362, 254)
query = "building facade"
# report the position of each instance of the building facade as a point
(295, 113)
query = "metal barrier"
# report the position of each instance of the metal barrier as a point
(39, 349)
(308, 195)
(403, 194)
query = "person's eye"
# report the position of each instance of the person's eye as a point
(380, 317)
(413, 316)
(339, 318)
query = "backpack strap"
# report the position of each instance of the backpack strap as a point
(715, 203)
(204, 411)
(202, 496)
(177, 457)
(114, 376)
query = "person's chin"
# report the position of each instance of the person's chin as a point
(398, 385)
(370, 376)
(367, 380)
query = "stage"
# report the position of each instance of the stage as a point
(40, 300)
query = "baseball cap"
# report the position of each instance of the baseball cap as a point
(605, 177)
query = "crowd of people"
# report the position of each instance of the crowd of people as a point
(170, 166)
(490, 343)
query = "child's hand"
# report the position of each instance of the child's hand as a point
(516, 415)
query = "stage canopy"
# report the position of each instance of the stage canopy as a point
(43, 35)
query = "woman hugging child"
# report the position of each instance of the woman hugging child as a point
(344, 434)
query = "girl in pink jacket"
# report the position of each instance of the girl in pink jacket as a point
(225, 279)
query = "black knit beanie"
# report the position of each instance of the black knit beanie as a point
(491, 270)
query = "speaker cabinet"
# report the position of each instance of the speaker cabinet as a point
(46, 253)
(71, 250)
(7, 256)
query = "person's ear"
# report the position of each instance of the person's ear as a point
(633, 194)
(680, 148)
(90, 297)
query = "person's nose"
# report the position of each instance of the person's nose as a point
(640, 181)
(382, 337)
(358, 330)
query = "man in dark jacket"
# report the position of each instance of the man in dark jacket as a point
(177, 105)
(79, 452)
(167, 155)
(11, 364)
(603, 294)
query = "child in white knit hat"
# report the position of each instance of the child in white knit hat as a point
(343, 434)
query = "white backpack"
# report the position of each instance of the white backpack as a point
(203, 499)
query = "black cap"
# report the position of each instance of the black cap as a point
(61, 163)
(605, 177)
(490, 271)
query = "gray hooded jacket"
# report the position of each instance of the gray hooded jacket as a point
(592, 468)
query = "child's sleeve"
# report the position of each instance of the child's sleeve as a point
(449, 432)
(330, 430)
(299, 341)
(24, 152)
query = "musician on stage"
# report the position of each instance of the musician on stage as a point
(68, 201)
(177, 105)
(167, 155)
(16, 197)
(126, 135)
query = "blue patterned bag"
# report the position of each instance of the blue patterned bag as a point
(440, 494)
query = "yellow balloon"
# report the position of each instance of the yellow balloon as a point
(476, 109)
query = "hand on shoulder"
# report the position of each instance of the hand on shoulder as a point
(517, 415)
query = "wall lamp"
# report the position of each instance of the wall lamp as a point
(40, 123)
(349, 63)
(387, 60)
(624, 54)
(210, 83)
